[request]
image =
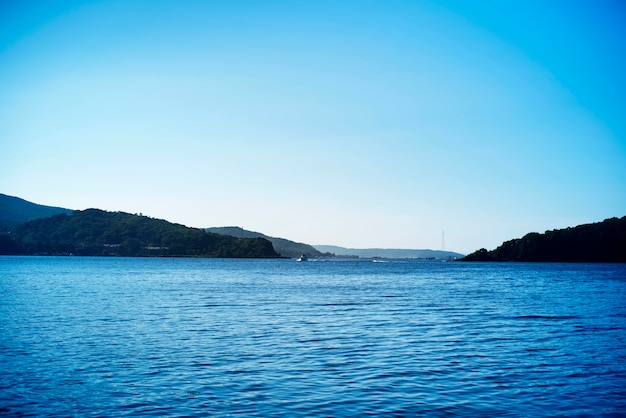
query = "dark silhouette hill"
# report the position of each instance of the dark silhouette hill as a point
(282, 246)
(15, 211)
(602, 242)
(97, 232)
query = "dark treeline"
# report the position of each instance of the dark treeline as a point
(603, 242)
(100, 233)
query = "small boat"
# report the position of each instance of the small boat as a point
(302, 258)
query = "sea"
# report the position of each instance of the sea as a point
(182, 337)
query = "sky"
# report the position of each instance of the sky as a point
(450, 125)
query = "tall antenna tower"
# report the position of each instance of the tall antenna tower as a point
(443, 240)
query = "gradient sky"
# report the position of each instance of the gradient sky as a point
(355, 123)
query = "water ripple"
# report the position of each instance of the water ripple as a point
(183, 337)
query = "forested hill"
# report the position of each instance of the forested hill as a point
(15, 211)
(97, 232)
(603, 242)
(282, 246)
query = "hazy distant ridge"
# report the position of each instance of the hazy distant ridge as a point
(386, 252)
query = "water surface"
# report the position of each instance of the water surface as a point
(206, 337)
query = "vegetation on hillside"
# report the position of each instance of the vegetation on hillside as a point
(282, 246)
(598, 242)
(97, 232)
(15, 211)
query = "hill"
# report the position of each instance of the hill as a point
(602, 242)
(15, 211)
(386, 252)
(97, 232)
(282, 246)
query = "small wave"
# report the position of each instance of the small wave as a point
(547, 317)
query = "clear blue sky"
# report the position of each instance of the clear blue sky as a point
(355, 123)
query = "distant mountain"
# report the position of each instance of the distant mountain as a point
(602, 242)
(97, 232)
(282, 246)
(29, 228)
(15, 211)
(386, 252)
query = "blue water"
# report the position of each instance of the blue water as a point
(204, 337)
